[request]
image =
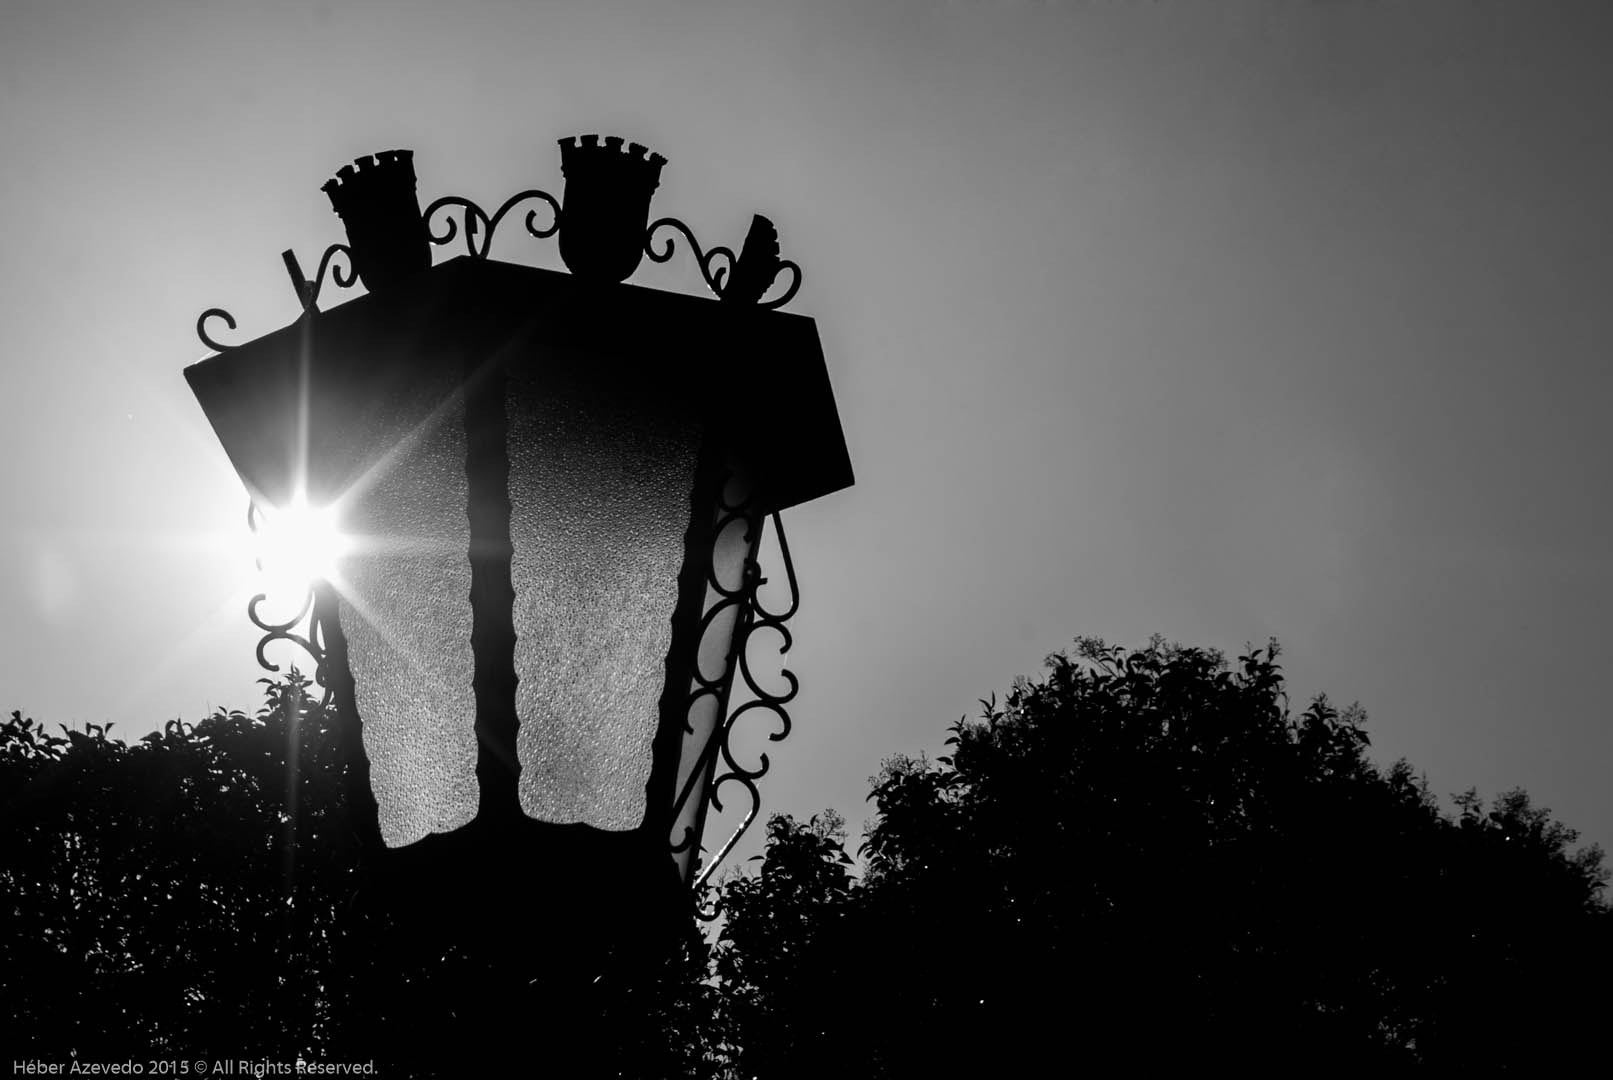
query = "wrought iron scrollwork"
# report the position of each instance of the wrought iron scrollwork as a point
(716, 686)
(716, 275)
(714, 278)
(477, 221)
(717, 763)
(312, 641)
(757, 263)
(201, 328)
(307, 289)
(765, 701)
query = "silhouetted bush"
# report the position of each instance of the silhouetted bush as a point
(177, 896)
(202, 894)
(1143, 860)
(1146, 861)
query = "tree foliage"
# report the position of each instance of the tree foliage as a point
(1145, 859)
(177, 894)
(200, 894)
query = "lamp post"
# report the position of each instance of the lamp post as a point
(555, 485)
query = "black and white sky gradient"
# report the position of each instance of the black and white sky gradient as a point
(1221, 320)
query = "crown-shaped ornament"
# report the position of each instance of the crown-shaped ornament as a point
(605, 207)
(375, 198)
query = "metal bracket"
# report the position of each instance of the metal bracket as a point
(717, 764)
(312, 641)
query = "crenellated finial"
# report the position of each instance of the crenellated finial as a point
(375, 198)
(606, 205)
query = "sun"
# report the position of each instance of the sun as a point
(299, 545)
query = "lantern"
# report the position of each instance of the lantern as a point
(553, 486)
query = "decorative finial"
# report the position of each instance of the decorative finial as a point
(606, 205)
(375, 198)
(758, 264)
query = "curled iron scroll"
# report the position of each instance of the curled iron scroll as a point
(307, 290)
(201, 328)
(311, 640)
(714, 277)
(715, 274)
(476, 220)
(716, 685)
(717, 756)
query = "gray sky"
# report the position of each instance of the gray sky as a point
(1218, 320)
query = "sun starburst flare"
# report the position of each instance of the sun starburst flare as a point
(299, 545)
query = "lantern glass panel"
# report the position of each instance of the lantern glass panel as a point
(600, 489)
(403, 607)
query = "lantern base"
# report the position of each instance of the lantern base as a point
(510, 942)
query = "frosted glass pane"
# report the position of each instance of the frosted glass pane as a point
(599, 498)
(405, 610)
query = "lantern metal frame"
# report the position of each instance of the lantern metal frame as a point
(315, 630)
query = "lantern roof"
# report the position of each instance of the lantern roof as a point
(756, 376)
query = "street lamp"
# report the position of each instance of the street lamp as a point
(552, 489)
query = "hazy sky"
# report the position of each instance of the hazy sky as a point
(1221, 320)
